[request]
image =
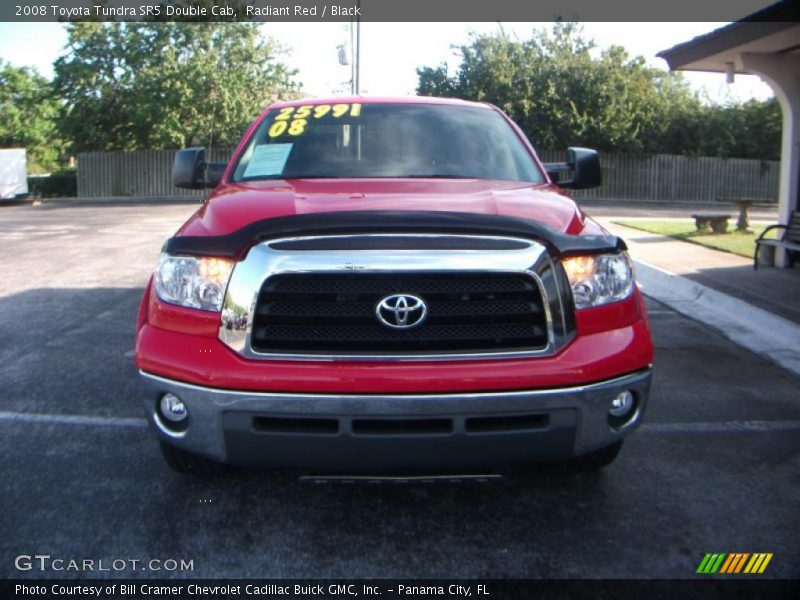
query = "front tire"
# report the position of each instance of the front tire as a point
(188, 463)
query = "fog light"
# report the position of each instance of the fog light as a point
(173, 409)
(621, 405)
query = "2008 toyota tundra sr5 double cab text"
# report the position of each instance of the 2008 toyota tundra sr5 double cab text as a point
(391, 285)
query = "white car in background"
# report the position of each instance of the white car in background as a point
(13, 173)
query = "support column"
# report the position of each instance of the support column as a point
(782, 73)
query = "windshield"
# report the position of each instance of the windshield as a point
(385, 140)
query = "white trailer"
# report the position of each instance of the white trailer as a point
(13, 173)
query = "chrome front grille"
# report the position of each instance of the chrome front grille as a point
(336, 313)
(316, 298)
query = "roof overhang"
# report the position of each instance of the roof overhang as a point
(773, 31)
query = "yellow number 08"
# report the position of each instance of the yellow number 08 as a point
(297, 126)
(277, 128)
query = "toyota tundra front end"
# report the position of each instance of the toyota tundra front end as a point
(391, 285)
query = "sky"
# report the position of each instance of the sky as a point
(391, 52)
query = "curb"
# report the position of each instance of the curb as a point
(748, 326)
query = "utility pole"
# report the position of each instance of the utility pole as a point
(358, 49)
(355, 53)
(352, 61)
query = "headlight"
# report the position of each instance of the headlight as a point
(193, 282)
(601, 279)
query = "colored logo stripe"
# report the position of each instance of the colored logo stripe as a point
(734, 562)
(711, 563)
(758, 563)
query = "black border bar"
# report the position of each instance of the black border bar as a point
(727, 588)
(388, 10)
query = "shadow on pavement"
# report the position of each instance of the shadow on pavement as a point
(775, 290)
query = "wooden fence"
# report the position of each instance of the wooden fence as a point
(140, 173)
(651, 178)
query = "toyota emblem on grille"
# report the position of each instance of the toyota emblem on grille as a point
(401, 311)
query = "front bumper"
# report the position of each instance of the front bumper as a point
(381, 432)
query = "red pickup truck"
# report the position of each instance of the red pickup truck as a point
(391, 285)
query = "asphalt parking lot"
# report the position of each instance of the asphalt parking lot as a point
(716, 468)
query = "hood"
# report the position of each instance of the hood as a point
(233, 206)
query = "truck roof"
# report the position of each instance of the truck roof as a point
(381, 100)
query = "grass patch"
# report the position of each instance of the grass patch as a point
(734, 241)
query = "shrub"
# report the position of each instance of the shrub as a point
(56, 185)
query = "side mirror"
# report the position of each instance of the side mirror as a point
(583, 163)
(191, 171)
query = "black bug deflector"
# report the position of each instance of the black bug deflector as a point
(237, 242)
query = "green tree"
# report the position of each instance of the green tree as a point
(557, 87)
(130, 86)
(563, 91)
(749, 129)
(29, 107)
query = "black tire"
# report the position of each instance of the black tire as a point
(597, 459)
(189, 463)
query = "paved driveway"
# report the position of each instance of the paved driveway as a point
(715, 468)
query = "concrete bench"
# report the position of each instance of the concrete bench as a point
(790, 240)
(716, 222)
(744, 204)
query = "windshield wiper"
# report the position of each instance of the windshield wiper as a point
(359, 176)
(437, 176)
(292, 176)
(317, 177)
